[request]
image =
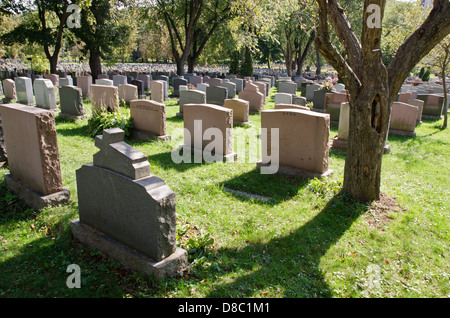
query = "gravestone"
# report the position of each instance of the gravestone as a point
(104, 97)
(419, 103)
(287, 87)
(239, 84)
(24, 90)
(127, 93)
(299, 100)
(195, 80)
(240, 109)
(197, 120)
(119, 80)
(339, 87)
(137, 225)
(190, 96)
(216, 95)
(33, 159)
(291, 106)
(165, 80)
(85, 82)
(104, 81)
(44, 92)
(432, 107)
(263, 88)
(157, 91)
(176, 85)
(71, 102)
(231, 87)
(102, 76)
(54, 78)
(64, 81)
(341, 140)
(283, 98)
(215, 82)
(149, 119)
(255, 98)
(303, 142)
(403, 119)
(333, 105)
(310, 89)
(202, 87)
(140, 86)
(9, 89)
(146, 80)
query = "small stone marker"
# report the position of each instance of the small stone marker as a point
(9, 89)
(33, 159)
(136, 225)
(240, 109)
(253, 96)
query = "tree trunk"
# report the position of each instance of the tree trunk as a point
(53, 64)
(95, 65)
(318, 63)
(191, 64)
(444, 86)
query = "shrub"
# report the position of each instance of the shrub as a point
(247, 65)
(109, 119)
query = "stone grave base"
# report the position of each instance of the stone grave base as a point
(294, 172)
(232, 157)
(339, 143)
(144, 135)
(34, 199)
(180, 115)
(72, 117)
(402, 133)
(128, 257)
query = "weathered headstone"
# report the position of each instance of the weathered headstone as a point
(333, 104)
(33, 159)
(146, 80)
(216, 95)
(54, 78)
(419, 103)
(432, 107)
(64, 81)
(215, 82)
(303, 142)
(44, 92)
(202, 87)
(231, 87)
(71, 102)
(149, 119)
(239, 84)
(240, 109)
(137, 225)
(195, 80)
(255, 98)
(140, 87)
(287, 87)
(85, 82)
(310, 89)
(190, 96)
(24, 90)
(299, 100)
(104, 97)
(104, 81)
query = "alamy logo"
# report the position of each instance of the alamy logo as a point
(74, 20)
(374, 19)
(74, 279)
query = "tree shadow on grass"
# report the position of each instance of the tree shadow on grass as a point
(273, 188)
(290, 263)
(164, 159)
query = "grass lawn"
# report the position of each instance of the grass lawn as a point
(305, 239)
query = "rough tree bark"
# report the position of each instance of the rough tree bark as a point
(371, 85)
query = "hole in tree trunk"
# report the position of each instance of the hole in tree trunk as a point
(376, 114)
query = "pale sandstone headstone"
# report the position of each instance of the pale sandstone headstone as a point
(303, 141)
(419, 103)
(149, 119)
(291, 106)
(240, 109)
(54, 78)
(33, 158)
(255, 98)
(44, 92)
(104, 97)
(104, 81)
(9, 89)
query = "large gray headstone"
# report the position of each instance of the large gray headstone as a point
(71, 101)
(44, 90)
(216, 95)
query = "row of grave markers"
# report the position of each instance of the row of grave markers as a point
(137, 225)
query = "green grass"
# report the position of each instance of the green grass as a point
(306, 240)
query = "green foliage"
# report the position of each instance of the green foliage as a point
(109, 119)
(422, 71)
(234, 64)
(426, 75)
(247, 65)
